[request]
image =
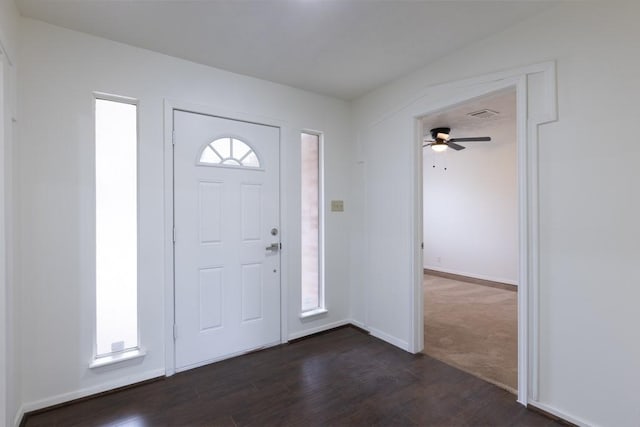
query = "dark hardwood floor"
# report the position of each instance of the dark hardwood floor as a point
(343, 377)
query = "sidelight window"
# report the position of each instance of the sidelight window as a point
(312, 263)
(116, 222)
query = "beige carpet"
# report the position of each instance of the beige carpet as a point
(472, 327)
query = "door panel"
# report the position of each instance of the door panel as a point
(211, 301)
(227, 279)
(210, 215)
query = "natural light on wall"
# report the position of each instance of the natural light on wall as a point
(116, 226)
(311, 219)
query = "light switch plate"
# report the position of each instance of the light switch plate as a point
(337, 206)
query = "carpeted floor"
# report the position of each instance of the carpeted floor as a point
(472, 327)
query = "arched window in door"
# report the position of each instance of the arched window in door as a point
(229, 152)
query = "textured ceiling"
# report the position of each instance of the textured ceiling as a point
(342, 48)
(462, 125)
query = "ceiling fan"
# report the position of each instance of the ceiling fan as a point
(441, 140)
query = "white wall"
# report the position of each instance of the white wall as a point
(9, 27)
(59, 71)
(470, 221)
(9, 361)
(4, 318)
(589, 202)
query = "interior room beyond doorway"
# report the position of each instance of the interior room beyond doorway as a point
(470, 226)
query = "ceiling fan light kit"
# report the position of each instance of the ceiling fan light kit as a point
(439, 147)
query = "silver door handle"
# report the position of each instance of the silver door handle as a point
(273, 247)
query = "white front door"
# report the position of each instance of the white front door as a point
(227, 261)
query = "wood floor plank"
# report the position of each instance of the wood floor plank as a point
(342, 378)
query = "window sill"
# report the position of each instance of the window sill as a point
(313, 313)
(112, 359)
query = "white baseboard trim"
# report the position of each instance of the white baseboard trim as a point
(390, 339)
(77, 394)
(358, 324)
(322, 328)
(473, 275)
(553, 411)
(18, 418)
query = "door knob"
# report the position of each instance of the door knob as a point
(273, 247)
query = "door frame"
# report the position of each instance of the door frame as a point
(536, 104)
(4, 323)
(170, 105)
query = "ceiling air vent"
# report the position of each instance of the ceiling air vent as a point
(483, 114)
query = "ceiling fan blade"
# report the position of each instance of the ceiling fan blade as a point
(427, 145)
(477, 138)
(455, 146)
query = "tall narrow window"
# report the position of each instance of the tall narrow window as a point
(311, 219)
(116, 226)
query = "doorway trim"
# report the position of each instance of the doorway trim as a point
(170, 105)
(536, 104)
(5, 417)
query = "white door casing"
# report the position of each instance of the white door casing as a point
(537, 104)
(227, 269)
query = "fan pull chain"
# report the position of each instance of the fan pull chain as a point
(435, 162)
(432, 157)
